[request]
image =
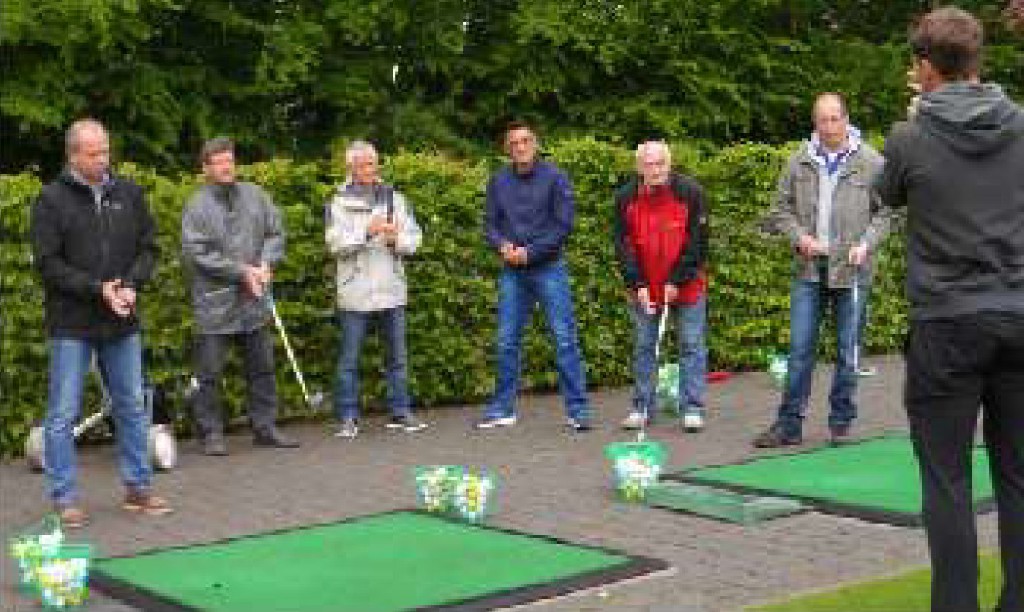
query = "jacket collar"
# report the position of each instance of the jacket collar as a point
(71, 176)
(634, 184)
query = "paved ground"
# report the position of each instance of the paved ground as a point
(551, 483)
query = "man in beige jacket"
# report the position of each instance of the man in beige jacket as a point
(370, 230)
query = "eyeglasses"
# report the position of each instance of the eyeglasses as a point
(919, 49)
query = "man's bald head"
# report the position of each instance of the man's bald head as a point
(831, 121)
(88, 149)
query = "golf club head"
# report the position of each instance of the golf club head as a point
(35, 453)
(163, 448)
(316, 401)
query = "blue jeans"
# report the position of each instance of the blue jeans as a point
(519, 289)
(120, 364)
(354, 326)
(807, 302)
(691, 325)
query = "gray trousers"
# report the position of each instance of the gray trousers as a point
(258, 361)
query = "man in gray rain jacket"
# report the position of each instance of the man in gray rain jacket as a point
(231, 237)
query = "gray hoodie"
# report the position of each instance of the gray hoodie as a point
(958, 167)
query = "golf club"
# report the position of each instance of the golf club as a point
(163, 448)
(641, 434)
(315, 400)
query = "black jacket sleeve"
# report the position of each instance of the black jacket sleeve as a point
(47, 251)
(146, 247)
(695, 252)
(889, 185)
(629, 267)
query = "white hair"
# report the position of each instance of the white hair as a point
(356, 149)
(653, 146)
(73, 137)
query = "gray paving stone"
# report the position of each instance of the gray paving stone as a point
(551, 482)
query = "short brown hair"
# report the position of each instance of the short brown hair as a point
(214, 146)
(512, 126)
(950, 39)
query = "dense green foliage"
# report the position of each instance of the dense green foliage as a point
(452, 278)
(291, 77)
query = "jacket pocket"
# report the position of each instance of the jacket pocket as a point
(216, 303)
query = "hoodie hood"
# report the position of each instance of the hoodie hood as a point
(832, 161)
(973, 119)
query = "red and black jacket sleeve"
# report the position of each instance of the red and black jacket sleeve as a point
(695, 252)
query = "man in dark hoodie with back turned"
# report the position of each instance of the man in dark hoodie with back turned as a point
(958, 167)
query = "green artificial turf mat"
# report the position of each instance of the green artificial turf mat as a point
(726, 506)
(875, 479)
(381, 563)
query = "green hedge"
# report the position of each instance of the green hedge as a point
(452, 294)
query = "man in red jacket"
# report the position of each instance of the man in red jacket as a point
(661, 243)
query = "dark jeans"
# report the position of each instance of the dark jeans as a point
(957, 367)
(258, 360)
(808, 302)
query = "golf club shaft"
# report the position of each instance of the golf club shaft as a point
(88, 422)
(289, 352)
(856, 319)
(662, 318)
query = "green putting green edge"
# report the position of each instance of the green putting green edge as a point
(907, 592)
(382, 563)
(877, 473)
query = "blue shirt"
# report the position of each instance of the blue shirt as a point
(533, 210)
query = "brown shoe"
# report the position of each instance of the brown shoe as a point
(776, 437)
(146, 503)
(840, 435)
(72, 517)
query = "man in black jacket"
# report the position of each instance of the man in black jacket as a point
(958, 167)
(94, 244)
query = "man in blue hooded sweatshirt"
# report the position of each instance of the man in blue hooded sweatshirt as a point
(958, 167)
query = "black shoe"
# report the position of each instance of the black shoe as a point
(839, 435)
(579, 424)
(215, 446)
(273, 438)
(775, 437)
(405, 422)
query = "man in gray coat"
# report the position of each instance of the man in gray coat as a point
(826, 212)
(231, 237)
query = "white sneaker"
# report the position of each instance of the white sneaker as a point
(693, 422)
(634, 420)
(495, 422)
(348, 429)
